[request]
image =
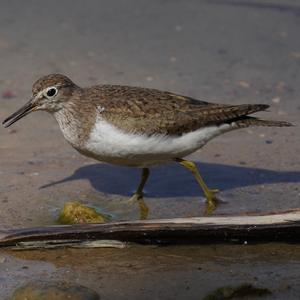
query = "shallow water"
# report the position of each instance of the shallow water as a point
(143, 272)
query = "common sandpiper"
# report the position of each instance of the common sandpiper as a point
(137, 127)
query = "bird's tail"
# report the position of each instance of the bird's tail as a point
(247, 121)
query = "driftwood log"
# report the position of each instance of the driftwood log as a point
(280, 227)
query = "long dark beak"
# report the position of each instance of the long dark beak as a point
(19, 114)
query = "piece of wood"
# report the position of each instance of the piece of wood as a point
(283, 227)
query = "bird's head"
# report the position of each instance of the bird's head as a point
(49, 93)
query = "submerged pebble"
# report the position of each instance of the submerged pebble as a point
(236, 292)
(43, 290)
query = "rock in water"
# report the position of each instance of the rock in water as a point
(77, 213)
(43, 290)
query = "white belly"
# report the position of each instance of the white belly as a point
(110, 144)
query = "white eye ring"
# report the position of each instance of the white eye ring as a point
(51, 92)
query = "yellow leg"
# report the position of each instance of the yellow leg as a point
(209, 193)
(138, 195)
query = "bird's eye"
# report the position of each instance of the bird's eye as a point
(51, 92)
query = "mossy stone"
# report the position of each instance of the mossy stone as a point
(77, 213)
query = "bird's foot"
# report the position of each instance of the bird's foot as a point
(211, 201)
(139, 199)
(135, 198)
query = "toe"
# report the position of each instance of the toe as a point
(210, 207)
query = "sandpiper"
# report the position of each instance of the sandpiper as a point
(137, 127)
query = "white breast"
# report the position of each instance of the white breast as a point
(110, 144)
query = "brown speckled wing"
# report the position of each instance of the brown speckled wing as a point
(150, 111)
